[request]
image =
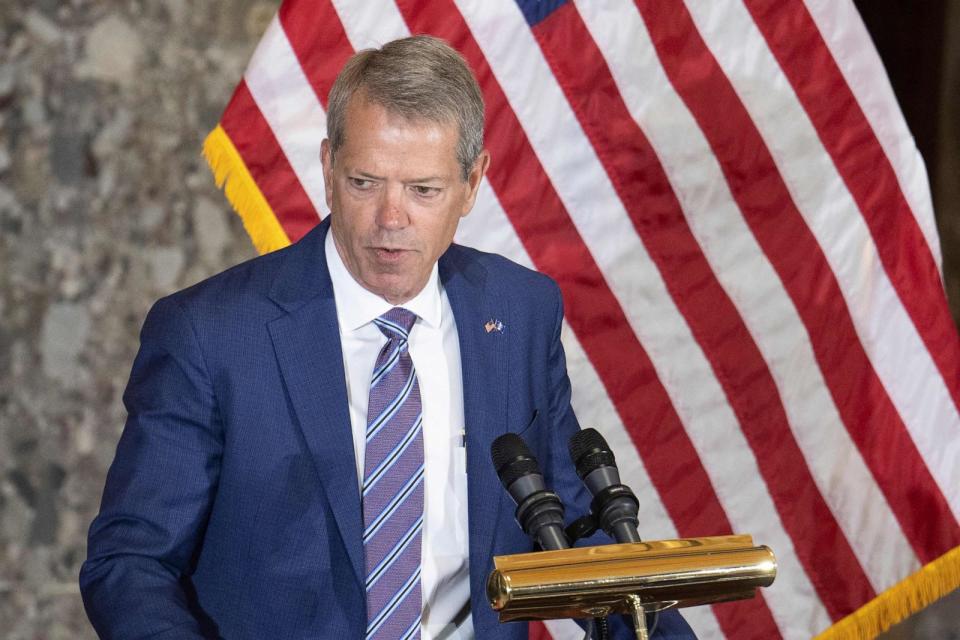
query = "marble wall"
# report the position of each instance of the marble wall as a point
(105, 205)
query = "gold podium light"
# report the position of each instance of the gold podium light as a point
(628, 578)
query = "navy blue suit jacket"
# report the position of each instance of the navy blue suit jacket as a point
(232, 508)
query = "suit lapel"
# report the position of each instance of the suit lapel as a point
(483, 357)
(307, 345)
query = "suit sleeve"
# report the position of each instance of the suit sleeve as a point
(159, 490)
(669, 625)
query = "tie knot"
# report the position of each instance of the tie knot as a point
(396, 323)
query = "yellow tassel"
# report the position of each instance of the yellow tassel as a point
(908, 596)
(231, 174)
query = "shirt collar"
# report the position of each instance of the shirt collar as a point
(365, 305)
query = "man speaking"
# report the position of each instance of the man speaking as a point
(307, 448)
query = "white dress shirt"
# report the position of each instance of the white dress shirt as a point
(435, 351)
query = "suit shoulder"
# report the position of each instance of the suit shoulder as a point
(233, 294)
(251, 277)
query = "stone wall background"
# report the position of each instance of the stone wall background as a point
(105, 206)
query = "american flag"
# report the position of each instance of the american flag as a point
(730, 200)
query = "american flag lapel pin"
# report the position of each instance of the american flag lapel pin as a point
(493, 325)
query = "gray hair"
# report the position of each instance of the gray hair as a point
(418, 78)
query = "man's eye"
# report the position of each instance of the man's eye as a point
(360, 183)
(425, 191)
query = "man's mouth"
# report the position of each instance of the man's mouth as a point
(388, 253)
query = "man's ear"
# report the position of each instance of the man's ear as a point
(326, 160)
(480, 166)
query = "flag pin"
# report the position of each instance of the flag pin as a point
(493, 325)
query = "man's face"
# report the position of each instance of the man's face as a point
(396, 195)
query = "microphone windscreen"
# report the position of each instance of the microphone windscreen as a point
(512, 458)
(589, 451)
(508, 447)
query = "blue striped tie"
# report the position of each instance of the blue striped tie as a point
(393, 486)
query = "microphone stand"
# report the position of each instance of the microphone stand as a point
(592, 582)
(639, 616)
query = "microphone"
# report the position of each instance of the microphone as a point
(539, 512)
(614, 505)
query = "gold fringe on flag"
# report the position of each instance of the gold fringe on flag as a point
(913, 593)
(231, 174)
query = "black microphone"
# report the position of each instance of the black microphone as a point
(539, 512)
(614, 505)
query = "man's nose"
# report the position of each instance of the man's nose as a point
(392, 212)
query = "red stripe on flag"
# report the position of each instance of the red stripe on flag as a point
(758, 188)
(554, 245)
(319, 41)
(652, 205)
(845, 132)
(261, 153)
(538, 631)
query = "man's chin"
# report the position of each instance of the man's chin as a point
(398, 297)
(395, 290)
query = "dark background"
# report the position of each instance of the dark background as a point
(918, 44)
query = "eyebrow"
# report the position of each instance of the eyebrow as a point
(364, 174)
(427, 179)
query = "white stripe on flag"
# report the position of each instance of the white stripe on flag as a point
(598, 214)
(370, 24)
(748, 278)
(852, 47)
(291, 108)
(487, 228)
(889, 337)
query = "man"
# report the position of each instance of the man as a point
(307, 449)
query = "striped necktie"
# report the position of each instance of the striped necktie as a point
(393, 486)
